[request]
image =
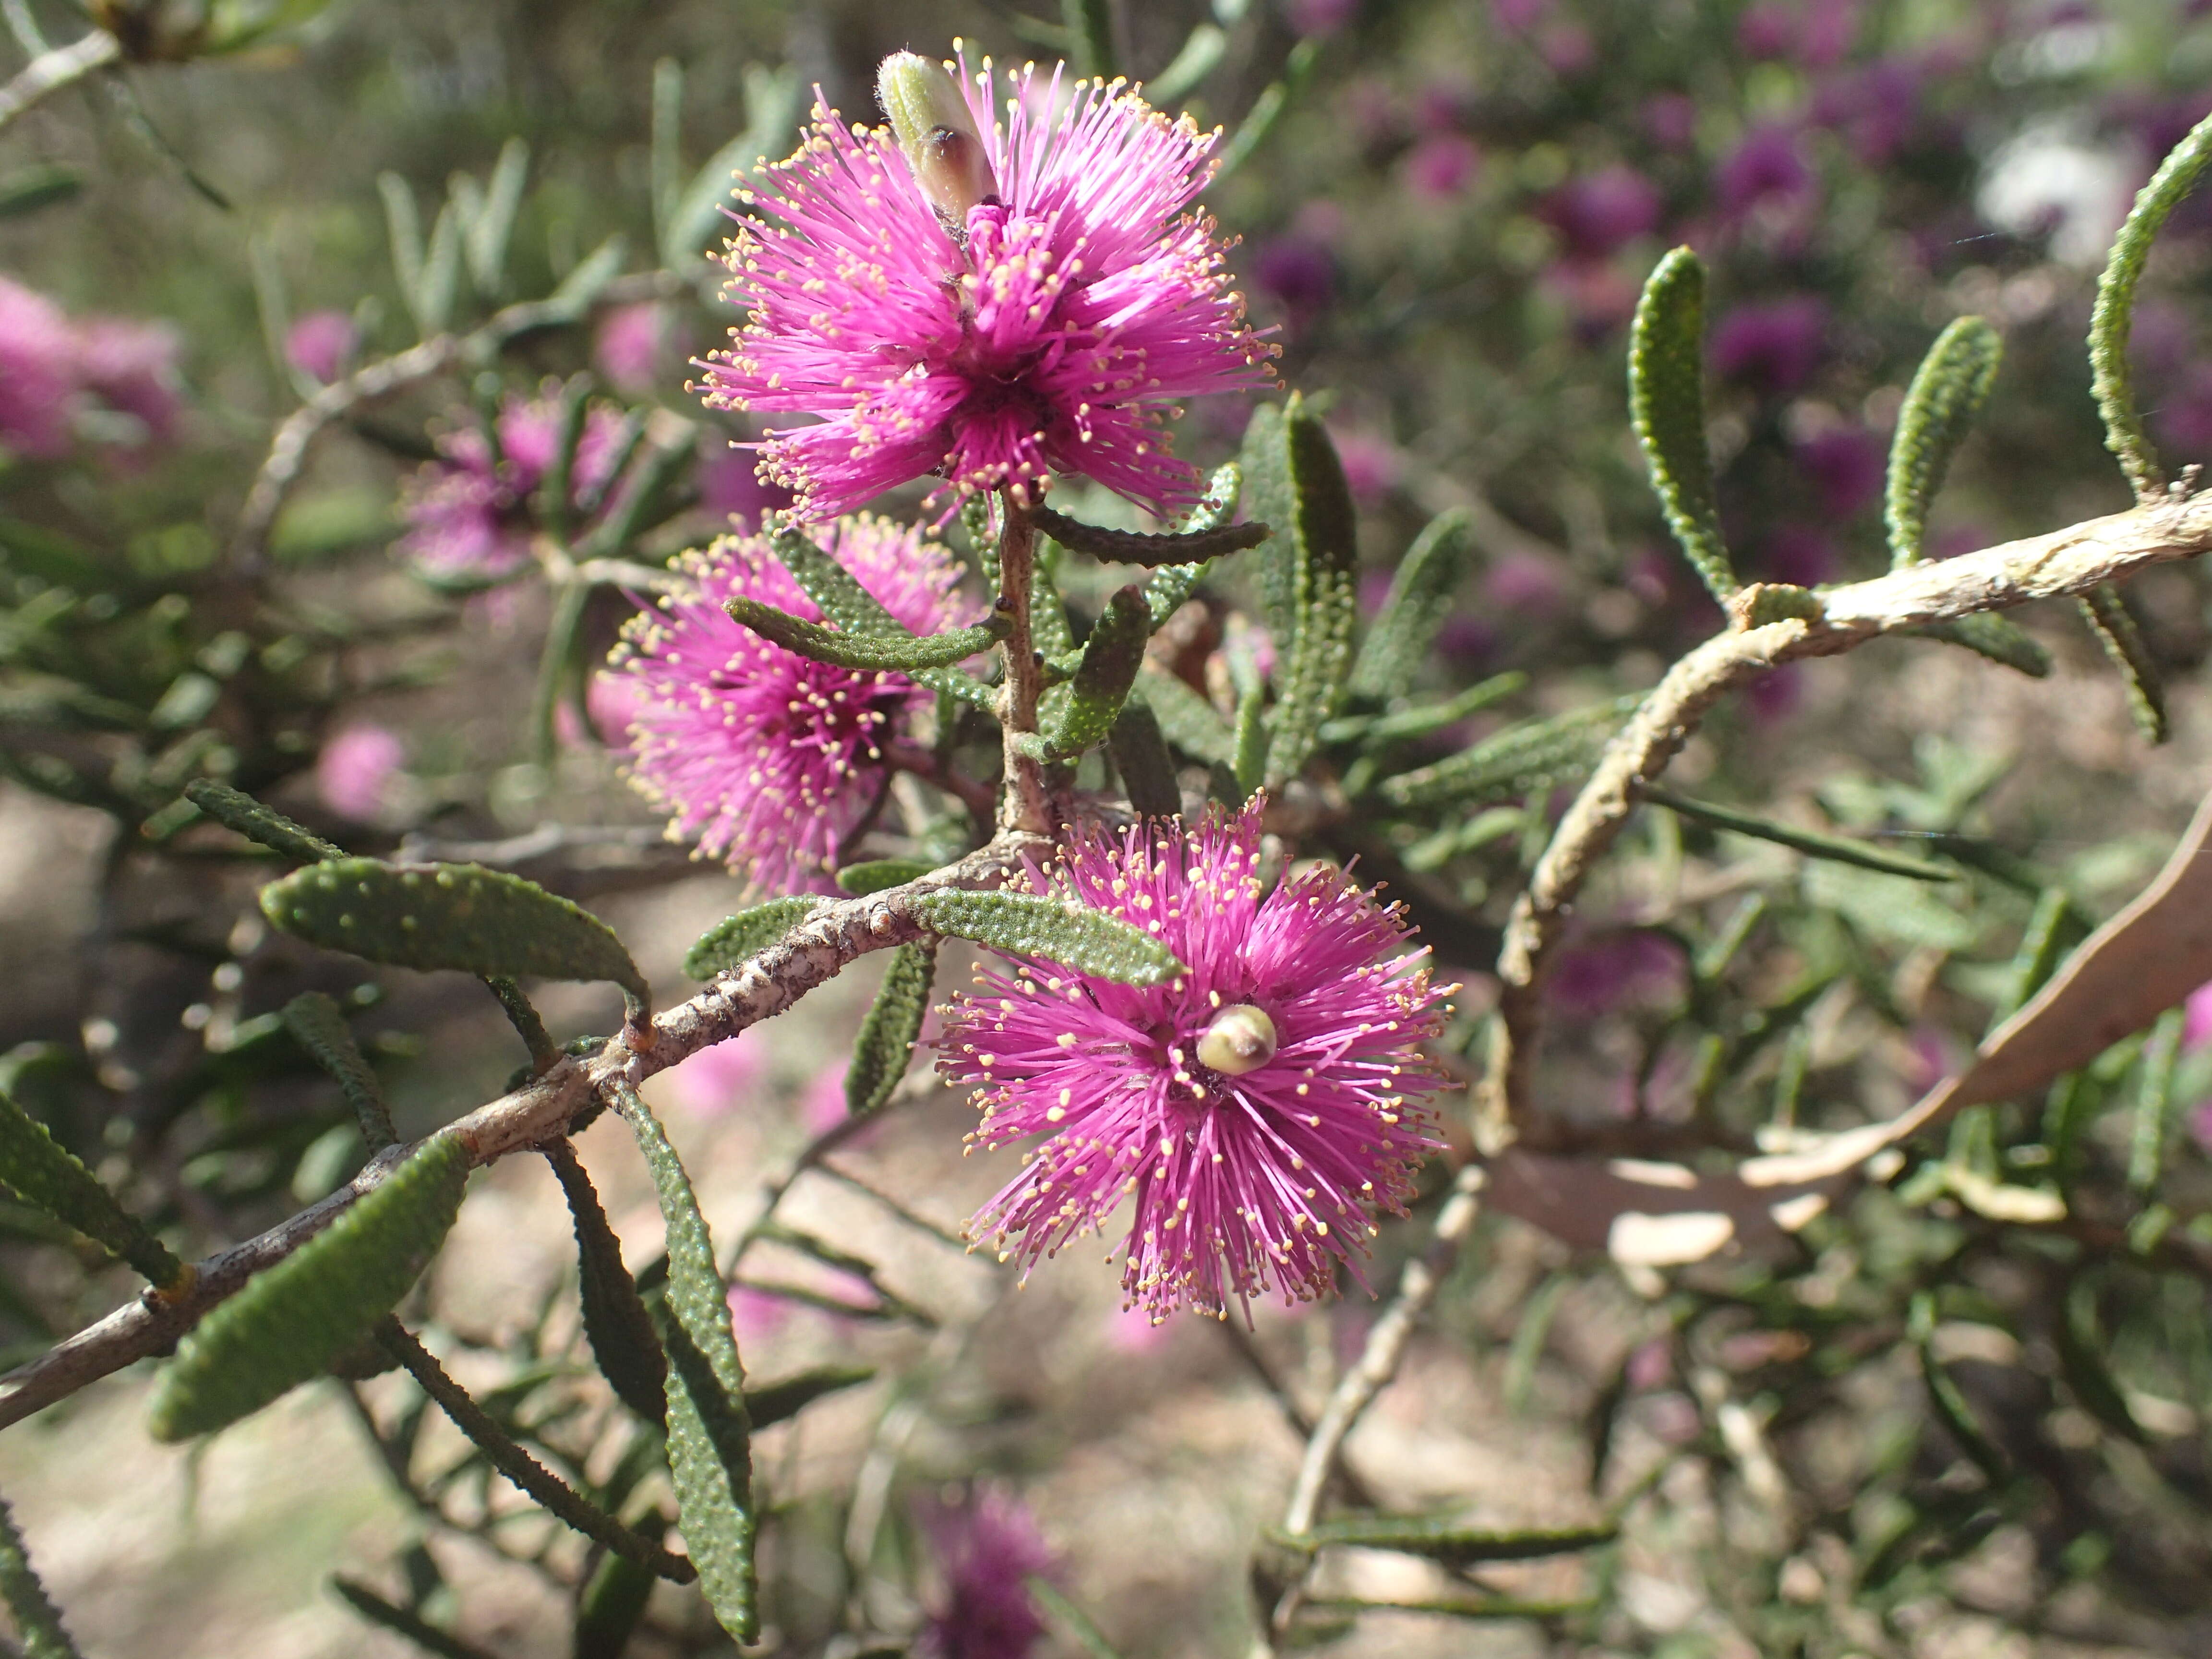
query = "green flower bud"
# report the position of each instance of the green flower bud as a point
(1241, 1039)
(934, 129)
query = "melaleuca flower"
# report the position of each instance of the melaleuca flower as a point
(1256, 1110)
(766, 759)
(37, 373)
(990, 305)
(468, 512)
(988, 1548)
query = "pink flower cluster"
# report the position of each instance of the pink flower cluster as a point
(1052, 330)
(766, 759)
(58, 375)
(468, 512)
(1254, 1163)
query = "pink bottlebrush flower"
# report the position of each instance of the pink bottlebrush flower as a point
(1776, 345)
(354, 772)
(1371, 463)
(766, 759)
(1671, 118)
(2196, 1018)
(469, 516)
(610, 704)
(1047, 323)
(1768, 165)
(731, 486)
(1600, 213)
(717, 1080)
(1847, 462)
(1136, 1330)
(131, 367)
(1442, 166)
(638, 347)
(37, 373)
(756, 1316)
(321, 344)
(824, 1106)
(987, 1548)
(1257, 1108)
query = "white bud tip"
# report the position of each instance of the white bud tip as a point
(936, 133)
(1241, 1039)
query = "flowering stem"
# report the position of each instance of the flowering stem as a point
(50, 72)
(1027, 807)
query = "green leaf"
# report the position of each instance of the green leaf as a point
(865, 651)
(1140, 756)
(1886, 907)
(1186, 719)
(740, 937)
(885, 1046)
(613, 1604)
(1308, 574)
(583, 285)
(777, 1401)
(1173, 584)
(320, 1028)
(774, 103)
(710, 1435)
(876, 874)
(1533, 755)
(37, 1621)
(2106, 613)
(2082, 1346)
(1452, 1542)
(2040, 943)
(234, 809)
(462, 916)
(1402, 725)
(1808, 841)
(486, 229)
(1111, 657)
(1249, 761)
(2156, 1100)
(2114, 313)
(291, 1320)
(1419, 601)
(27, 190)
(1052, 929)
(1090, 23)
(2000, 639)
(1202, 51)
(846, 605)
(46, 1174)
(1948, 392)
(616, 1322)
(1134, 547)
(1667, 403)
(404, 1622)
(1072, 1618)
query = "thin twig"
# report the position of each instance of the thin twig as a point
(2067, 561)
(1026, 807)
(516, 1463)
(809, 955)
(50, 72)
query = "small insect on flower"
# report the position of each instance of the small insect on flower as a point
(987, 304)
(766, 759)
(1258, 1110)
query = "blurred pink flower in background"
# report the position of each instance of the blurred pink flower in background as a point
(1371, 463)
(1298, 272)
(321, 345)
(639, 348)
(1136, 1330)
(131, 367)
(755, 1315)
(610, 700)
(822, 1107)
(1798, 554)
(1524, 582)
(1629, 969)
(37, 373)
(1442, 166)
(1319, 18)
(468, 513)
(354, 772)
(717, 1080)
(1768, 167)
(1847, 462)
(987, 1548)
(1671, 118)
(1600, 212)
(730, 483)
(1775, 345)
(2196, 1018)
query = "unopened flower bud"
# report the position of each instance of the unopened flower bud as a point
(936, 133)
(1241, 1039)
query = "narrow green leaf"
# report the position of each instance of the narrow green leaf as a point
(522, 1014)
(2040, 943)
(403, 223)
(37, 1621)
(320, 1028)
(1309, 575)
(1419, 601)
(875, 875)
(1264, 465)
(779, 1402)
(234, 809)
(664, 144)
(2000, 639)
(616, 1323)
(1048, 630)
(1186, 719)
(1172, 585)
(1948, 392)
(1071, 1617)
(865, 651)
(289, 1321)
(2114, 313)
(1135, 547)
(403, 1622)
(1111, 657)
(1452, 1542)
(1091, 24)
(2082, 1347)
(2155, 1101)
(1530, 755)
(1808, 841)
(773, 104)
(884, 1048)
(1667, 403)
(613, 1604)
(745, 935)
(484, 237)
(1051, 929)
(556, 489)
(1249, 761)
(1403, 725)
(583, 285)
(26, 190)
(1201, 53)
(846, 605)
(463, 916)
(46, 1174)
(1140, 756)
(2106, 613)
(432, 303)
(709, 1435)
